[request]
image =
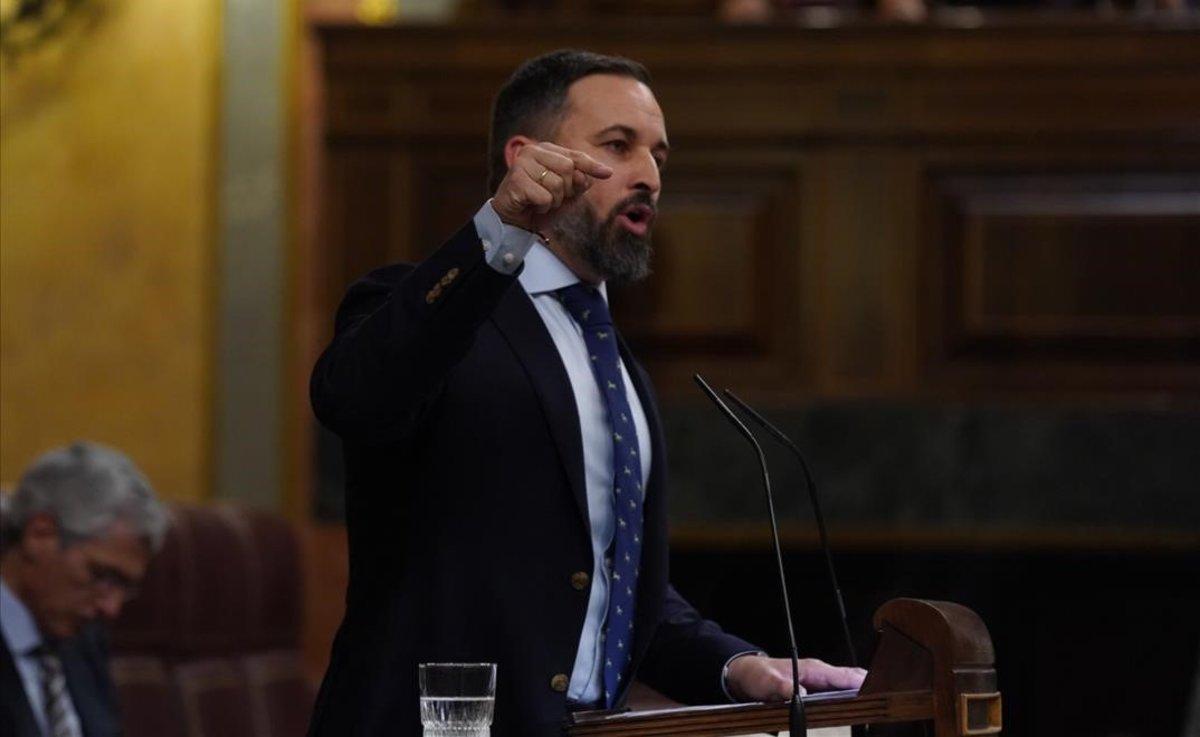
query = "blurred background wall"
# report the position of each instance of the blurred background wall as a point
(107, 207)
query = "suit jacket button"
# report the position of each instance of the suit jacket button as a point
(560, 682)
(449, 276)
(580, 580)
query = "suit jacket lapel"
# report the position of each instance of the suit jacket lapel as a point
(80, 666)
(519, 321)
(16, 714)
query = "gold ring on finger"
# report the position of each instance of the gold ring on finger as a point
(542, 175)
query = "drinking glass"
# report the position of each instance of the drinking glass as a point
(457, 699)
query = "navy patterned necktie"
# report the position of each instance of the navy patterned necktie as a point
(590, 310)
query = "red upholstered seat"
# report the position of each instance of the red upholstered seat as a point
(211, 647)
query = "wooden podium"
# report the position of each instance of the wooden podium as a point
(934, 663)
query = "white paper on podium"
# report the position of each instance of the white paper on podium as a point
(808, 699)
(819, 732)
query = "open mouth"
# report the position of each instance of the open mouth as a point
(637, 219)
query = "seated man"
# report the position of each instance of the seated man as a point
(79, 531)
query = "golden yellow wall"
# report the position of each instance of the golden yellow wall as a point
(106, 242)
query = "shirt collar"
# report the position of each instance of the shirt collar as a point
(544, 272)
(20, 631)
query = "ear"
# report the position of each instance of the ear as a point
(513, 146)
(41, 536)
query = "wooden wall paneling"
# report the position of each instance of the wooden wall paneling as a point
(1066, 261)
(1064, 270)
(724, 295)
(861, 217)
(358, 233)
(366, 102)
(1060, 100)
(718, 106)
(450, 185)
(868, 108)
(1028, 45)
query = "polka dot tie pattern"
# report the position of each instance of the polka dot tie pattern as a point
(590, 310)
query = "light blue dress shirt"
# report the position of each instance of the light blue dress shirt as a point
(506, 249)
(22, 636)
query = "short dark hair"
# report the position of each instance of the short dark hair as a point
(531, 102)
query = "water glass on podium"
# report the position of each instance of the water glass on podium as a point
(457, 699)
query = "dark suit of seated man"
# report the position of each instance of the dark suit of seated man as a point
(79, 531)
(506, 475)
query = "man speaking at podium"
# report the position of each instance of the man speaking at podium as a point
(506, 475)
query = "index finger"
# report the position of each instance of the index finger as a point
(588, 165)
(831, 676)
(582, 161)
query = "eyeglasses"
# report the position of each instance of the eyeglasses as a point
(106, 579)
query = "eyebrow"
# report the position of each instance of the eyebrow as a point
(628, 132)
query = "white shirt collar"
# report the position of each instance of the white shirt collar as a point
(20, 631)
(544, 272)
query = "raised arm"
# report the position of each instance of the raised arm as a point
(400, 329)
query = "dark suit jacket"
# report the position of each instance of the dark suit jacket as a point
(85, 664)
(466, 507)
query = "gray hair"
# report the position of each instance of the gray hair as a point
(86, 487)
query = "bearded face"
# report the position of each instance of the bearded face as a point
(617, 248)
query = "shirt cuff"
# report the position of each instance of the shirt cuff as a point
(725, 671)
(504, 246)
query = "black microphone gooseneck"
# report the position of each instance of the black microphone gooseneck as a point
(797, 721)
(812, 494)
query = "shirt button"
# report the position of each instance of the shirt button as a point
(509, 258)
(487, 245)
(560, 682)
(580, 580)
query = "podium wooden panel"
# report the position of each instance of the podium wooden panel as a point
(934, 663)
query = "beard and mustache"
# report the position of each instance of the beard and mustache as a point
(613, 253)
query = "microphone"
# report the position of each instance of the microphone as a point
(812, 494)
(797, 721)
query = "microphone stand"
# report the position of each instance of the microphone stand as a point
(812, 495)
(797, 720)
